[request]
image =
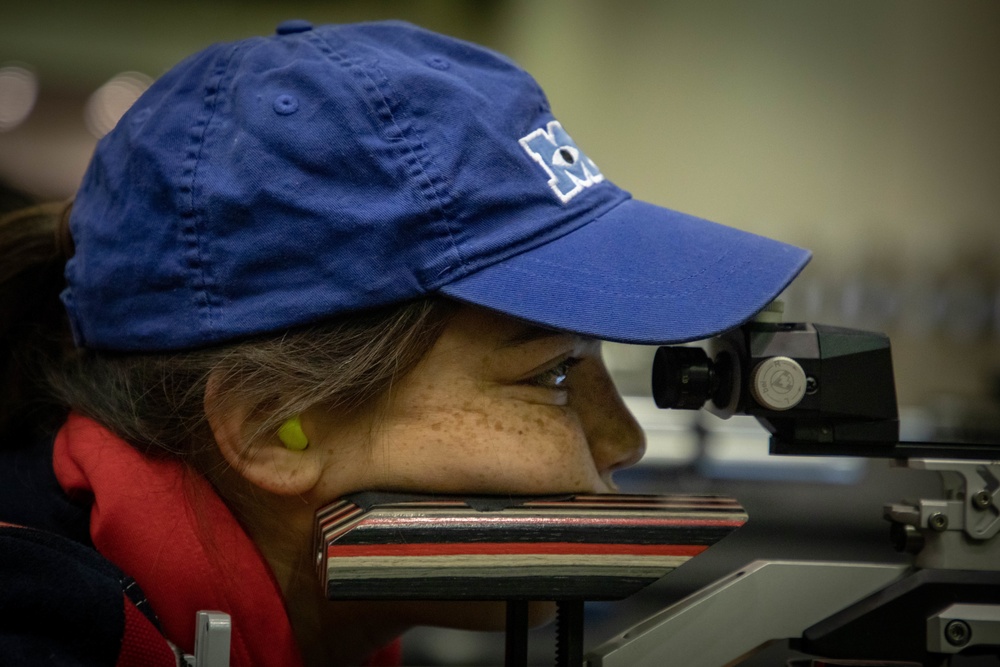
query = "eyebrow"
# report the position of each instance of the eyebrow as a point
(530, 334)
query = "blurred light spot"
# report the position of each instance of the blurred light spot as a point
(18, 92)
(110, 102)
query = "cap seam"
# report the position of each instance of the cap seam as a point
(543, 236)
(384, 110)
(192, 231)
(577, 269)
(630, 294)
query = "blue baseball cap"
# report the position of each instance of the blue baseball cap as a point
(279, 181)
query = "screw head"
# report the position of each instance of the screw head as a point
(982, 499)
(958, 633)
(937, 522)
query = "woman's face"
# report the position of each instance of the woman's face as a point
(495, 407)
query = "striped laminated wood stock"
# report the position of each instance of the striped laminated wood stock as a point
(570, 547)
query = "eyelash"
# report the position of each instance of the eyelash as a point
(555, 377)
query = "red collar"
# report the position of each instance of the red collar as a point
(163, 524)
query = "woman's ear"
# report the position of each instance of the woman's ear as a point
(267, 462)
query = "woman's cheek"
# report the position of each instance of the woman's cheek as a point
(552, 458)
(523, 461)
(487, 445)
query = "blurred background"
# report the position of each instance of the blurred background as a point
(867, 131)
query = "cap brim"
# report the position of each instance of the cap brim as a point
(639, 274)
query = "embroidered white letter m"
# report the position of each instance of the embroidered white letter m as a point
(568, 168)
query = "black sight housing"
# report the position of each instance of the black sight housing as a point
(817, 389)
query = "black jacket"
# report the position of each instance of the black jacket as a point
(61, 602)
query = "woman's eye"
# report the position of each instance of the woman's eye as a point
(557, 376)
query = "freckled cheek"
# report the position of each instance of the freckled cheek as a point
(516, 452)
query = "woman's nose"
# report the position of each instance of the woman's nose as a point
(615, 437)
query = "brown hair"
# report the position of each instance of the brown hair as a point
(33, 325)
(156, 401)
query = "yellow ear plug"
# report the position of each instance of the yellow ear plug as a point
(292, 435)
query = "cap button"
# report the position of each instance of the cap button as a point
(293, 26)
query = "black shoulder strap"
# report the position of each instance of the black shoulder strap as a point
(65, 605)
